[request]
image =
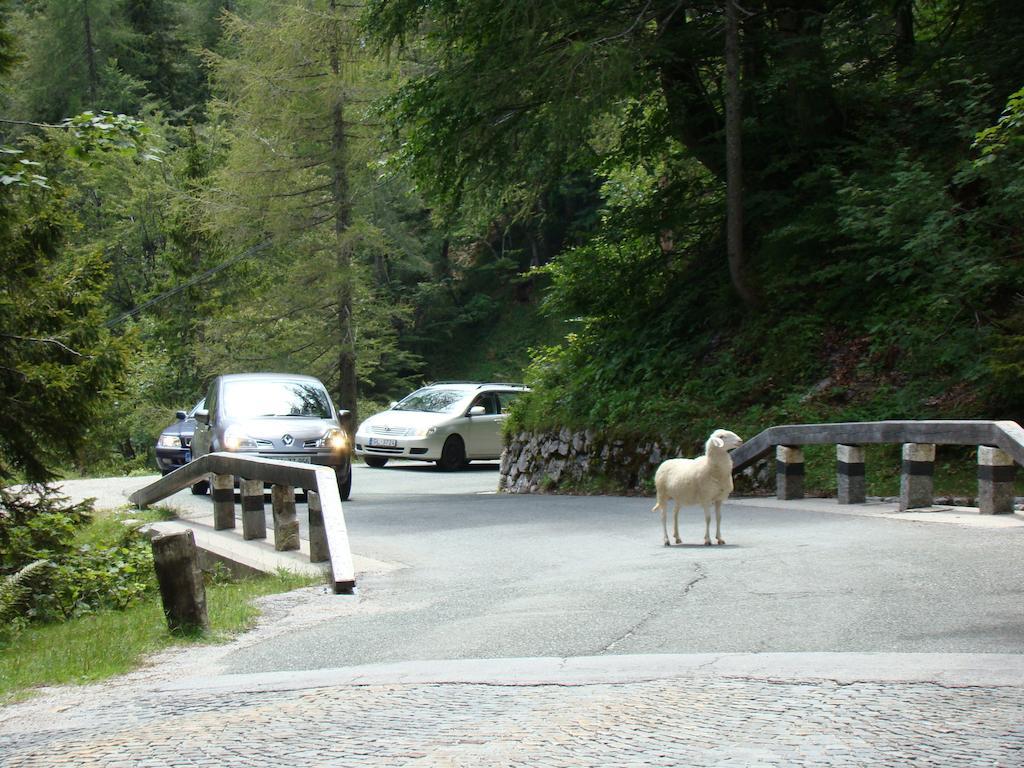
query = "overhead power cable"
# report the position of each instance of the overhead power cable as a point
(258, 248)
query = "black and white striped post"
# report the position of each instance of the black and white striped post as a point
(851, 485)
(254, 520)
(789, 472)
(318, 548)
(996, 473)
(286, 523)
(222, 489)
(917, 476)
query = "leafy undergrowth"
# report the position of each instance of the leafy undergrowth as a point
(78, 596)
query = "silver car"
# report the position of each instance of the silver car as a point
(276, 416)
(451, 423)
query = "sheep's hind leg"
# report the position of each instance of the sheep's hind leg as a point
(676, 529)
(664, 520)
(718, 523)
(707, 525)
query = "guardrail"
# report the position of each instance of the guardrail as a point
(1000, 448)
(328, 536)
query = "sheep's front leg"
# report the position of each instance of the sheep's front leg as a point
(718, 523)
(707, 525)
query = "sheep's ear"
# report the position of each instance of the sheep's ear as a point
(718, 442)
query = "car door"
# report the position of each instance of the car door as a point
(485, 429)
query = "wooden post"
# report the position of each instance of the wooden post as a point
(222, 488)
(996, 472)
(181, 582)
(916, 476)
(286, 524)
(789, 472)
(850, 480)
(318, 549)
(254, 520)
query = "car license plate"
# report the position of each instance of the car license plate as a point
(188, 456)
(383, 442)
(298, 459)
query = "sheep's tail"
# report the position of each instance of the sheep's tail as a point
(659, 506)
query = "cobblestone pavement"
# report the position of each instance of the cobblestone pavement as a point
(704, 716)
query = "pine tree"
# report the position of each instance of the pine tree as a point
(295, 95)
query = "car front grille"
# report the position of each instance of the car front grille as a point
(393, 431)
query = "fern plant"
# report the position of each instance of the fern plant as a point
(15, 590)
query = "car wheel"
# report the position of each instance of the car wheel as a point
(375, 461)
(200, 488)
(453, 454)
(344, 482)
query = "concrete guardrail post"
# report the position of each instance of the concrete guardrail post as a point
(318, 549)
(254, 519)
(286, 524)
(182, 591)
(222, 489)
(851, 484)
(996, 473)
(916, 476)
(789, 472)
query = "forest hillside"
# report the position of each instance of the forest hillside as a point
(664, 216)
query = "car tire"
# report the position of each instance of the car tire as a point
(344, 482)
(453, 454)
(375, 461)
(200, 488)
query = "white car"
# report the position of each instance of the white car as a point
(451, 423)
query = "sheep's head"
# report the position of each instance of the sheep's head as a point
(724, 439)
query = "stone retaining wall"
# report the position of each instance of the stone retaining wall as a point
(545, 461)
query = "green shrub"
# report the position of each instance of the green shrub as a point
(74, 568)
(37, 523)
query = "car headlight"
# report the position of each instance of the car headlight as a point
(235, 439)
(335, 439)
(424, 431)
(168, 441)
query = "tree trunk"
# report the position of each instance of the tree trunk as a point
(734, 158)
(693, 118)
(90, 57)
(341, 198)
(903, 11)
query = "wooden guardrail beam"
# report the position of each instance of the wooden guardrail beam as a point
(1006, 435)
(321, 480)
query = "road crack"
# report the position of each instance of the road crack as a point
(650, 616)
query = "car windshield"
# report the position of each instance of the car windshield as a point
(255, 399)
(433, 401)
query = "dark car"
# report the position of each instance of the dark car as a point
(174, 446)
(275, 416)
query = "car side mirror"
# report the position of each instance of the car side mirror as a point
(180, 415)
(477, 410)
(203, 416)
(393, 404)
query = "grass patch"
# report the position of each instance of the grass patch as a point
(110, 642)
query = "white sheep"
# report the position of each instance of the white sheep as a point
(705, 480)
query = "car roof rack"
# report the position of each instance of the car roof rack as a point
(478, 384)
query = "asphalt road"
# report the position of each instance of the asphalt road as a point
(484, 575)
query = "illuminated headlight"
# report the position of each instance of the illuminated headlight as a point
(424, 431)
(236, 440)
(169, 441)
(335, 439)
